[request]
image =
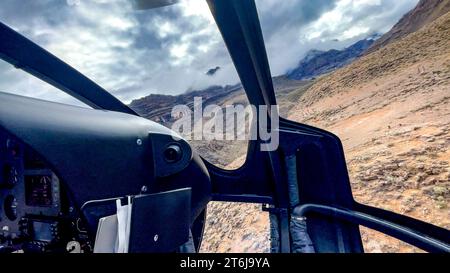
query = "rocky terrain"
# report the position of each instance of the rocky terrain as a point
(233, 227)
(158, 107)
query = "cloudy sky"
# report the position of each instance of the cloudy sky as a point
(168, 50)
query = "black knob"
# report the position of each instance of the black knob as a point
(173, 153)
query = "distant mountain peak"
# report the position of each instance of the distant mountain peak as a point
(312, 54)
(374, 36)
(317, 62)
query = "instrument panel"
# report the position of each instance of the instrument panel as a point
(34, 214)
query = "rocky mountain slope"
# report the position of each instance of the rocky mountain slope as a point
(425, 12)
(318, 62)
(158, 107)
(391, 109)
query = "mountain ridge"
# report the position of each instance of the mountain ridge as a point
(425, 12)
(317, 62)
(157, 107)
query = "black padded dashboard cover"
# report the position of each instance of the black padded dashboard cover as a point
(96, 153)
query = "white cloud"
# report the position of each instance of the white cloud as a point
(367, 2)
(355, 31)
(197, 8)
(166, 28)
(179, 50)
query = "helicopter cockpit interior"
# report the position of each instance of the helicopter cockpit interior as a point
(64, 167)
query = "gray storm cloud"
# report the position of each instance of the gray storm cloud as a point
(168, 50)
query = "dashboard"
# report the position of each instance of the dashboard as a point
(57, 165)
(35, 213)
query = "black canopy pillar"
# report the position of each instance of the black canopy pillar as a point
(239, 25)
(28, 56)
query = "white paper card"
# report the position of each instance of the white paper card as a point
(106, 238)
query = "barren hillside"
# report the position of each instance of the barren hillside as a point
(424, 13)
(391, 109)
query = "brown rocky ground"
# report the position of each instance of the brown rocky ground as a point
(233, 227)
(391, 109)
